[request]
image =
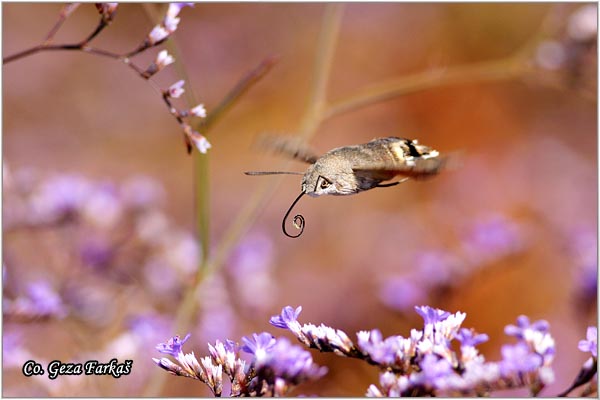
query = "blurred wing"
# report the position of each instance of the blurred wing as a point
(417, 168)
(290, 147)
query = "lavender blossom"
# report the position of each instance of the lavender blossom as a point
(200, 142)
(259, 345)
(518, 358)
(287, 361)
(199, 111)
(173, 346)
(59, 196)
(175, 8)
(176, 89)
(96, 252)
(287, 318)
(276, 366)
(163, 59)
(524, 328)
(431, 315)
(41, 301)
(468, 338)
(426, 364)
(157, 35)
(590, 344)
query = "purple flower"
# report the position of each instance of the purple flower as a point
(386, 352)
(43, 300)
(60, 195)
(199, 111)
(175, 8)
(176, 89)
(158, 34)
(173, 346)
(163, 59)
(96, 252)
(524, 325)
(259, 344)
(200, 142)
(435, 371)
(431, 315)
(170, 23)
(467, 337)
(288, 317)
(591, 342)
(290, 362)
(518, 358)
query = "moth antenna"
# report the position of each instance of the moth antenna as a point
(256, 173)
(298, 219)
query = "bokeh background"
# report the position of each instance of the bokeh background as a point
(99, 196)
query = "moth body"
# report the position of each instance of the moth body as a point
(352, 169)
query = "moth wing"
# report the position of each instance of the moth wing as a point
(291, 147)
(417, 168)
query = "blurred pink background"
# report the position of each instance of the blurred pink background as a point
(517, 215)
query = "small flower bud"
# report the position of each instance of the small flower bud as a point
(176, 89)
(200, 141)
(171, 23)
(163, 59)
(199, 111)
(175, 8)
(158, 34)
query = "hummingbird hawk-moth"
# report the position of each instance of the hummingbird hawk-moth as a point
(352, 169)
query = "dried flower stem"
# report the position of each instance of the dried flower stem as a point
(83, 46)
(66, 11)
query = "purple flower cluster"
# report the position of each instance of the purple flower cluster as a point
(104, 228)
(427, 364)
(275, 368)
(39, 301)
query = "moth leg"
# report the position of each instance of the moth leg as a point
(383, 185)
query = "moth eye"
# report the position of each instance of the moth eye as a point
(324, 184)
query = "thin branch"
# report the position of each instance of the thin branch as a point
(47, 46)
(65, 12)
(480, 72)
(103, 24)
(514, 66)
(238, 90)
